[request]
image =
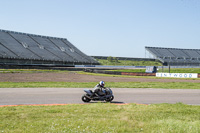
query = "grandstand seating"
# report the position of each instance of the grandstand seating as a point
(43, 49)
(176, 56)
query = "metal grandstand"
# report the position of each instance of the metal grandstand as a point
(176, 56)
(28, 49)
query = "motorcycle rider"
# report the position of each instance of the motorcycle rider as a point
(98, 89)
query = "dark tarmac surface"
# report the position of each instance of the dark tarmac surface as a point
(23, 96)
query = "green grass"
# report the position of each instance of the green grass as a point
(168, 85)
(181, 70)
(101, 118)
(129, 63)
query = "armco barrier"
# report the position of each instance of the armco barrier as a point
(120, 73)
(103, 72)
(138, 74)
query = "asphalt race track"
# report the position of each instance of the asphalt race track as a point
(23, 96)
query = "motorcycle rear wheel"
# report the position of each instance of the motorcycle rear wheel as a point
(85, 99)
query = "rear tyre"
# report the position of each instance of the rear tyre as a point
(85, 99)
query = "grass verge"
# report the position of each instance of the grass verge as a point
(101, 117)
(129, 63)
(168, 85)
(181, 70)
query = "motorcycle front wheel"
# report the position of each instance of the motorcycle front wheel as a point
(109, 99)
(85, 99)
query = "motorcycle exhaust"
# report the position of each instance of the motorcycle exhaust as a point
(89, 97)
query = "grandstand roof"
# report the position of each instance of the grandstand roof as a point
(16, 45)
(176, 55)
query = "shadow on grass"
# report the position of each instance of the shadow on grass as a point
(118, 102)
(114, 102)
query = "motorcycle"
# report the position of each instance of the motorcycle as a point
(90, 95)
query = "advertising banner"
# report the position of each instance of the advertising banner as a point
(177, 75)
(151, 69)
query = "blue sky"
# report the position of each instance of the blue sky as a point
(120, 28)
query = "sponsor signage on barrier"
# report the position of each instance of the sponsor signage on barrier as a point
(177, 75)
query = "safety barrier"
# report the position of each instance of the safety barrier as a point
(138, 74)
(120, 73)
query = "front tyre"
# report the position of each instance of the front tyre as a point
(109, 99)
(85, 99)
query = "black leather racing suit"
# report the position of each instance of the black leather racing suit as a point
(98, 90)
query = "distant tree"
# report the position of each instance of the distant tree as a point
(115, 60)
(110, 59)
